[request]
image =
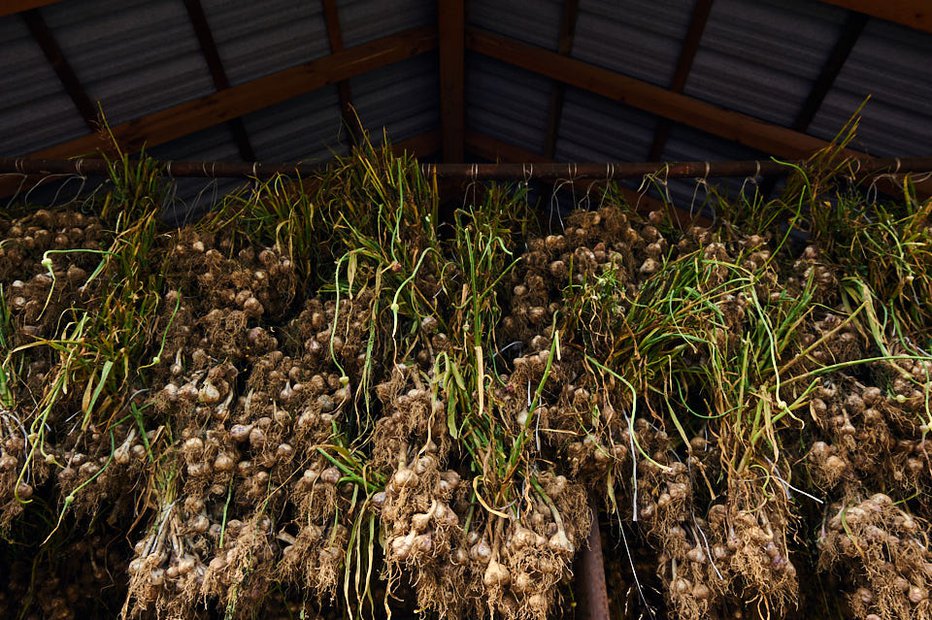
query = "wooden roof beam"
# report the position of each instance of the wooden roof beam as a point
(558, 91)
(451, 25)
(217, 73)
(345, 93)
(676, 107)
(712, 119)
(915, 14)
(192, 116)
(45, 39)
(684, 64)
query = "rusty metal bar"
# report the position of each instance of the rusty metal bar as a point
(480, 172)
(590, 575)
(690, 169)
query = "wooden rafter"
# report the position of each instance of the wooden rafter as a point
(851, 31)
(217, 73)
(684, 64)
(558, 90)
(344, 91)
(915, 14)
(451, 24)
(712, 119)
(11, 7)
(191, 116)
(496, 150)
(679, 108)
(45, 39)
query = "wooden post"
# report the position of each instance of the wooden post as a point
(451, 23)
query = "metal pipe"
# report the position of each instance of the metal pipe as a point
(206, 169)
(663, 170)
(590, 575)
(478, 172)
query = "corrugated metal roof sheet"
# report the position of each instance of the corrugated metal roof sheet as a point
(305, 128)
(364, 20)
(506, 102)
(761, 57)
(532, 21)
(214, 144)
(258, 38)
(138, 59)
(594, 128)
(640, 38)
(892, 64)
(404, 98)
(35, 112)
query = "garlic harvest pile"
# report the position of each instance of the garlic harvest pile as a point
(329, 401)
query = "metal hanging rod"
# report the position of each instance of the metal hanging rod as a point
(665, 170)
(478, 172)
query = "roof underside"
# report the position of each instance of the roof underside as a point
(792, 64)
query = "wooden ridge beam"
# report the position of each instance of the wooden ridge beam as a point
(684, 65)
(45, 39)
(451, 26)
(205, 112)
(344, 91)
(558, 90)
(217, 73)
(733, 126)
(915, 14)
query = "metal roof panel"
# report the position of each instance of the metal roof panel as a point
(762, 57)
(891, 64)
(506, 102)
(535, 22)
(639, 38)
(136, 60)
(258, 38)
(35, 112)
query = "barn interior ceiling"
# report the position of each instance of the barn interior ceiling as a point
(457, 81)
